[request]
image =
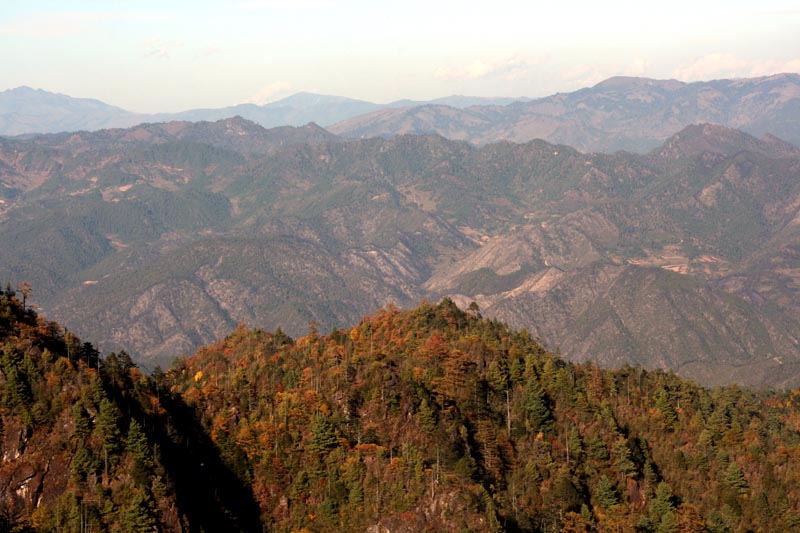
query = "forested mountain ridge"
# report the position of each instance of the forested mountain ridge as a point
(160, 238)
(429, 419)
(89, 443)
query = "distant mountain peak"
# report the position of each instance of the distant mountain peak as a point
(708, 138)
(313, 126)
(624, 82)
(239, 121)
(791, 76)
(307, 99)
(27, 90)
(24, 91)
(20, 90)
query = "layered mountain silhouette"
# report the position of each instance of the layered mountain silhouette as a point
(26, 110)
(622, 113)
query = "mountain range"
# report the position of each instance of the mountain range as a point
(162, 237)
(26, 110)
(621, 113)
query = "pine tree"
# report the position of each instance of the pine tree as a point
(667, 524)
(575, 444)
(137, 446)
(661, 504)
(427, 418)
(497, 376)
(139, 517)
(81, 464)
(606, 493)
(16, 390)
(107, 429)
(664, 405)
(83, 427)
(734, 479)
(323, 434)
(622, 457)
(597, 449)
(536, 407)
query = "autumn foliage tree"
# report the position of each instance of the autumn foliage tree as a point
(430, 419)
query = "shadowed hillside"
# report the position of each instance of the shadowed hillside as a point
(92, 444)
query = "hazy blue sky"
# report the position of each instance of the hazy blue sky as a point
(162, 55)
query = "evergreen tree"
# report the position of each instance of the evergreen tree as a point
(667, 524)
(16, 392)
(427, 417)
(661, 504)
(323, 434)
(107, 429)
(83, 427)
(597, 449)
(622, 457)
(734, 479)
(139, 516)
(664, 405)
(82, 463)
(574, 444)
(606, 493)
(497, 376)
(536, 407)
(137, 446)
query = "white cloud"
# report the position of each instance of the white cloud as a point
(507, 68)
(725, 65)
(160, 49)
(712, 66)
(268, 92)
(210, 51)
(583, 75)
(637, 67)
(587, 75)
(765, 68)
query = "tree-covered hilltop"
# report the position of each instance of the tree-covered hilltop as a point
(92, 444)
(431, 419)
(436, 419)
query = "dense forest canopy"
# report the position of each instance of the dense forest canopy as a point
(430, 419)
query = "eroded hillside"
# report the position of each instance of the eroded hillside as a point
(160, 238)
